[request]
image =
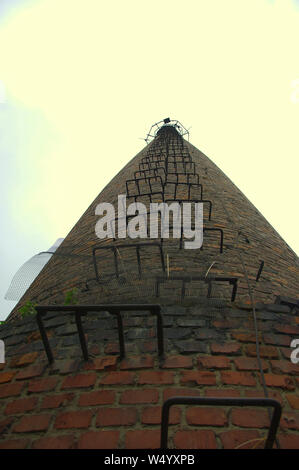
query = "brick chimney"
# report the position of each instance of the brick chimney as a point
(154, 320)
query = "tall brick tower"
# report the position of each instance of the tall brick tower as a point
(155, 320)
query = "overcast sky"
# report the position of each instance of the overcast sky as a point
(82, 82)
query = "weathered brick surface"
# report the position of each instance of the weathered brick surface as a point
(139, 362)
(222, 393)
(102, 363)
(14, 444)
(238, 378)
(250, 418)
(177, 362)
(61, 442)
(99, 440)
(33, 423)
(289, 441)
(6, 377)
(132, 397)
(99, 397)
(281, 381)
(290, 421)
(142, 439)
(10, 390)
(293, 401)
(73, 419)
(42, 385)
(238, 439)
(24, 360)
(246, 363)
(212, 362)
(156, 377)
(79, 381)
(195, 440)
(198, 378)
(56, 401)
(265, 351)
(206, 416)
(116, 417)
(226, 348)
(118, 378)
(31, 372)
(21, 406)
(152, 415)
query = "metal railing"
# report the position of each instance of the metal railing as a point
(114, 309)
(211, 401)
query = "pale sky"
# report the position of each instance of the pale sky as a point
(82, 82)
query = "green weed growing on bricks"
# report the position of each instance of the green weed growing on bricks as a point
(71, 297)
(28, 309)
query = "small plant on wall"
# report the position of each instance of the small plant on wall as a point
(27, 309)
(71, 297)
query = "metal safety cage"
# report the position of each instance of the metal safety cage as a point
(149, 181)
(189, 186)
(152, 165)
(164, 122)
(179, 159)
(148, 195)
(208, 280)
(153, 158)
(116, 248)
(175, 167)
(186, 175)
(181, 201)
(140, 174)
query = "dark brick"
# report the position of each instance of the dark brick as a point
(152, 415)
(177, 333)
(191, 346)
(198, 378)
(79, 381)
(61, 442)
(133, 397)
(98, 397)
(116, 417)
(33, 423)
(99, 440)
(206, 416)
(239, 439)
(21, 406)
(56, 401)
(250, 418)
(142, 439)
(73, 419)
(202, 439)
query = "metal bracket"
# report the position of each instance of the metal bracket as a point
(115, 248)
(186, 279)
(260, 271)
(208, 229)
(180, 201)
(145, 173)
(190, 185)
(79, 310)
(210, 401)
(148, 181)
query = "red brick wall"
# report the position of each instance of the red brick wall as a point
(210, 352)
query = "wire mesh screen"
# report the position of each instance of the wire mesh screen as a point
(28, 272)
